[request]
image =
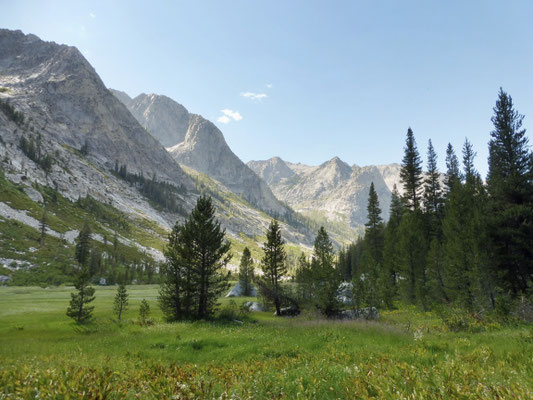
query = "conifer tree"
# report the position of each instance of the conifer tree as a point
(510, 189)
(411, 173)
(42, 226)
(83, 245)
(144, 312)
(273, 266)
(193, 277)
(304, 279)
(433, 199)
(374, 226)
(453, 174)
(79, 310)
(391, 259)
(464, 242)
(120, 304)
(246, 272)
(325, 278)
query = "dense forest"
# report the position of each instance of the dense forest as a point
(452, 239)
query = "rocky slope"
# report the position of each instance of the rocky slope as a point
(52, 98)
(197, 143)
(333, 190)
(67, 101)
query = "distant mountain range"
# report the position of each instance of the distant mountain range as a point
(333, 190)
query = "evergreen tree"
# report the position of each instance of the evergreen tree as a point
(374, 226)
(195, 257)
(453, 175)
(144, 312)
(325, 278)
(391, 259)
(83, 245)
(79, 310)
(246, 272)
(412, 256)
(120, 303)
(411, 173)
(42, 226)
(433, 199)
(304, 279)
(273, 266)
(510, 188)
(466, 279)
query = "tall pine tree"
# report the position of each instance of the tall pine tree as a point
(273, 266)
(411, 173)
(510, 188)
(196, 256)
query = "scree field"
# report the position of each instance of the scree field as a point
(406, 355)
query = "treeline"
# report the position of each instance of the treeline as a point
(162, 194)
(457, 241)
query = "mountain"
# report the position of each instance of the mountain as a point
(164, 118)
(333, 191)
(197, 143)
(69, 148)
(69, 102)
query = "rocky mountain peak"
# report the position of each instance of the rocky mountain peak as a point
(273, 170)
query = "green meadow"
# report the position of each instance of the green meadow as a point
(405, 355)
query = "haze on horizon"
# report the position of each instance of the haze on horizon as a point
(308, 81)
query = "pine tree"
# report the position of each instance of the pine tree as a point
(510, 188)
(144, 312)
(391, 259)
(120, 303)
(412, 248)
(453, 175)
(273, 266)
(79, 310)
(467, 282)
(42, 226)
(304, 280)
(433, 199)
(195, 257)
(246, 272)
(411, 173)
(374, 226)
(83, 245)
(325, 278)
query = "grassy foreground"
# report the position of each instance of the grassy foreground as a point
(407, 355)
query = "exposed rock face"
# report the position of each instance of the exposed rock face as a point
(199, 144)
(273, 171)
(67, 99)
(334, 189)
(164, 118)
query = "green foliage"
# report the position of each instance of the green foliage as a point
(120, 304)
(510, 189)
(162, 194)
(83, 245)
(411, 173)
(273, 266)
(79, 310)
(144, 314)
(43, 356)
(196, 255)
(246, 272)
(318, 281)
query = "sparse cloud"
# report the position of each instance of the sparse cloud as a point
(224, 119)
(229, 115)
(269, 86)
(254, 96)
(92, 15)
(232, 114)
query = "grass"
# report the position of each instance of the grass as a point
(405, 355)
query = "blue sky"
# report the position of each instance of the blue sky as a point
(309, 80)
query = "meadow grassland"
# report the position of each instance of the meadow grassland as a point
(406, 355)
